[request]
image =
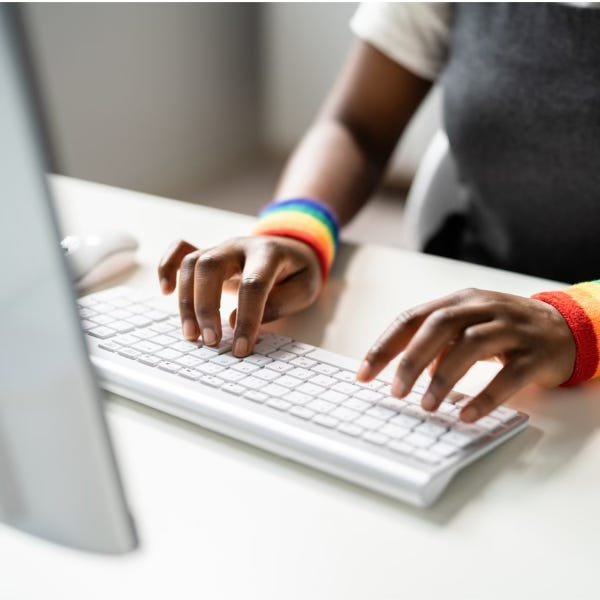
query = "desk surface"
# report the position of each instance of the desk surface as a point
(221, 520)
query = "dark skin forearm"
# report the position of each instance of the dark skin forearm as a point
(342, 158)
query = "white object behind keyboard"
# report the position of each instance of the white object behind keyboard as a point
(291, 398)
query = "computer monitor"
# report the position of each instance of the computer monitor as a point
(58, 475)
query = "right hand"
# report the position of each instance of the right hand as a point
(275, 276)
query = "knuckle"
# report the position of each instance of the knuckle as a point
(186, 304)
(205, 313)
(473, 336)
(439, 381)
(244, 326)
(253, 285)
(208, 262)
(442, 317)
(189, 261)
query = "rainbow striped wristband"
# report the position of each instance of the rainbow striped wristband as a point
(580, 307)
(304, 219)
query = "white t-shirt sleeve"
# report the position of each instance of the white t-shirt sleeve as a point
(414, 35)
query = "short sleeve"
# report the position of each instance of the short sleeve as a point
(414, 35)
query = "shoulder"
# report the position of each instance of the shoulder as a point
(412, 34)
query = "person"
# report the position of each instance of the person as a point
(521, 101)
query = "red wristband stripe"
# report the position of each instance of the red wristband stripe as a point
(582, 327)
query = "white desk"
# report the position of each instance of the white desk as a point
(222, 520)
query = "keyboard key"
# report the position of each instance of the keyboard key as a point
(297, 397)
(226, 360)
(146, 347)
(233, 388)
(102, 332)
(376, 385)
(325, 420)
(87, 313)
(202, 353)
(143, 334)
(126, 339)
(188, 361)
(446, 408)
(303, 413)
(168, 366)
(231, 375)
(311, 389)
(369, 422)
(157, 315)
(332, 396)
(393, 403)
(503, 414)
(110, 346)
(252, 383)
(320, 406)
(357, 404)
(209, 368)
(264, 348)
(162, 327)
(101, 319)
(444, 450)
(488, 423)
(255, 396)
(140, 321)
(288, 381)
(407, 421)
(375, 438)
(149, 360)
(211, 380)
(457, 438)
(380, 412)
(350, 429)
(325, 369)
(245, 367)
(401, 447)
(415, 411)
(183, 346)
(427, 456)
(129, 353)
(163, 340)
(297, 348)
(168, 354)
(190, 374)
(345, 414)
(345, 388)
(368, 395)
(323, 380)
(348, 376)
(279, 404)
(429, 429)
(301, 373)
(122, 326)
(267, 375)
(274, 390)
(303, 362)
(279, 366)
(257, 359)
(223, 346)
(394, 431)
(419, 440)
(282, 355)
(87, 325)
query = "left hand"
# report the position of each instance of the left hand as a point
(531, 339)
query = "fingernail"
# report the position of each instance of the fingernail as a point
(469, 414)
(189, 330)
(209, 337)
(428, 401)
(363, 370)
(240, 347)
(164, 286)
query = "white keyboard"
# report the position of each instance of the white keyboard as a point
(289, 397)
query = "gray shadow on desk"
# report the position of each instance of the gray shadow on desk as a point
(310, 324)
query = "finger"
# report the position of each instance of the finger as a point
(395, 338)
(189, 325)
(515, 375)
(438, 330)
(477, 342)
(258, 278)
(212, 268)
(285, 299)
(170, 262)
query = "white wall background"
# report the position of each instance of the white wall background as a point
(157, 97)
